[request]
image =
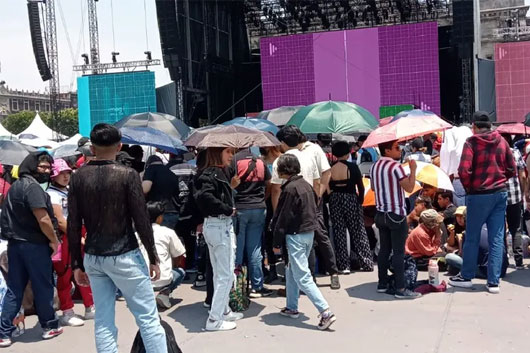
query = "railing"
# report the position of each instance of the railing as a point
(511, 31)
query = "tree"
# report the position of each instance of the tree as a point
(65, 124)
(18, 122)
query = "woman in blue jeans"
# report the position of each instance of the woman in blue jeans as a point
(214, 198)
(294, 224)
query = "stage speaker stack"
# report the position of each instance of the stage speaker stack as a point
(36, 39)
(168, 26)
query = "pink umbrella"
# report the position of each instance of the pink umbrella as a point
(513, 129)
(405, 129)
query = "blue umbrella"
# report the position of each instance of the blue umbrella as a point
(256, 123)
(151, 137)
(414, 113)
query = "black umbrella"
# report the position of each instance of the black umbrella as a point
(158, 121)
(13, 152)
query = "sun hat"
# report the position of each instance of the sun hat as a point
(59, 166)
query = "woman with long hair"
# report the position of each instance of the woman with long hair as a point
(214, 197)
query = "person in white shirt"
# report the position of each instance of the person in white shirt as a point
(169, 248)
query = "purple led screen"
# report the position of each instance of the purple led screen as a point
(371, 67)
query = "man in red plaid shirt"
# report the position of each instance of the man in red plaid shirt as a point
(486, 165)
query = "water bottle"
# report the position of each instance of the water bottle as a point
(433, 273)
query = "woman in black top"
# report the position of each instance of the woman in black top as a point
(215, 200)
(346, 210)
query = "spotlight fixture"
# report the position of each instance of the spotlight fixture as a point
(148, 55)
(85, 58)
(114, 57)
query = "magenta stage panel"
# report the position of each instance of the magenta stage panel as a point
(512, 81)
(371, 67)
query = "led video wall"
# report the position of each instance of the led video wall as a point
(107, 98)
(512, 81)
(373, 67)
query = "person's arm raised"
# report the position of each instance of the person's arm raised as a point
(409, 182)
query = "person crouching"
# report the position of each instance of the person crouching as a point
(294, 223)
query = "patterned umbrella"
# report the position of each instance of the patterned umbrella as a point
(230, 136)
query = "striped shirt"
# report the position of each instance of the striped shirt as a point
(385, 176)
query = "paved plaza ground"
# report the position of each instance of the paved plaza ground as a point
(455, 321)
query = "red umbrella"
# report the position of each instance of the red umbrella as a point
(385, 121)
(405, 129)
(513, 129)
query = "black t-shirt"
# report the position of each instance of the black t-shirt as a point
(17, 220)
(250, 194)
(165, 186)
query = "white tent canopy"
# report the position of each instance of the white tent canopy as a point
(39, 129)
(72, 140)
(4, 131)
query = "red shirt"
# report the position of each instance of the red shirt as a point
(422, 242)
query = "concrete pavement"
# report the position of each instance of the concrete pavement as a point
(471, 321)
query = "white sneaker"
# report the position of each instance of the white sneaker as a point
(220, 325)
(90, 312)
(69, 319)
(232, 316)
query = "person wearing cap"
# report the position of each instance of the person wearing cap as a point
(58, 191)
(456, 231)
(425, 240)
(486, 165)
(418, 151)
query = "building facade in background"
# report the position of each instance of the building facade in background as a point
(13, 101)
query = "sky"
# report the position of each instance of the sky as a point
(18, 66)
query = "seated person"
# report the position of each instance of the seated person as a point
(425, 240)
(456, 231)
(446, 206)
(169, 249)
(421, 204)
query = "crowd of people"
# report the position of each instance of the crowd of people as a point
(122, 228)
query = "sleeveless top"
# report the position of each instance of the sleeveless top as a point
(346, 185)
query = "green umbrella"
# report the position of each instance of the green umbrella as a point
(334, 117)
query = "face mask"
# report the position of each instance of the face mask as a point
(42, 178)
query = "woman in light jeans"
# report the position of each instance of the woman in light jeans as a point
(214, 198)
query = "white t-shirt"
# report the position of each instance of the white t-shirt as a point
(318, 155)
(59, 197)
(308, 168)
(168, 246)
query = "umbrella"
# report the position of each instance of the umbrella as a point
(385, 121)
(39, 142)
(513, 129)
(330, 116)
(65, 151)
(430, 174)
(406, 128)
(13, 152)
(158, 121)
(260, 124)
(151, 137)
(414, 113)
(279, 116)
(230, 136)
(369, 194)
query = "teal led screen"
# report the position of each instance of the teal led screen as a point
(107, 98)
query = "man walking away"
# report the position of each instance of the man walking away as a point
(486, 165)
(107, 198)
(27, 225)
(389, 182)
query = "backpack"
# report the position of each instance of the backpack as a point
(189, 215)
(172, 346)
(239, 300)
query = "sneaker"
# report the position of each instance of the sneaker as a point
(69, 319)
(206, 305)
(345, 272)
(120, 298)
(519, 266)
(220, 325)
(90, 312)
(493, 288)
(326, 319)
(51, 333)
(382, 288)
(407, 294)
(335, 283)
(293, 314)
(263, 292)
(232, 316)
(460, 282)
(200, 281)
(163, 301)
(5, 342)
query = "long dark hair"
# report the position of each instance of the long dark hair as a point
(213, 157)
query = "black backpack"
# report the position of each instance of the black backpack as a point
(172, 346)
(189, 216)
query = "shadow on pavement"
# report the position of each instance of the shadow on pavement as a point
(275, 319)
(30, 335)
(367, 291)
(518, 277)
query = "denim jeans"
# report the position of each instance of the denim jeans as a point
(28, 261)
(459, 195)
(178, 277)
(489, 209)
(454, 260)
(250, 225)
(127, 272)
(393, 232)
(220, 237)
(297, 274)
